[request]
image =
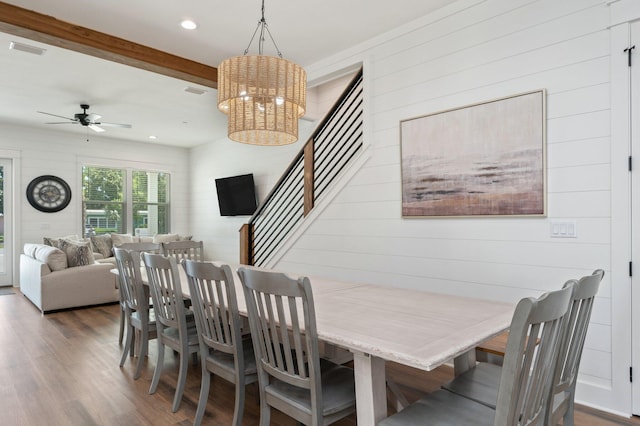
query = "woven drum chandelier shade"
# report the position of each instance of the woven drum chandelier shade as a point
(264, 96)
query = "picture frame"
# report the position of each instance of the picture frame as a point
(484, 159)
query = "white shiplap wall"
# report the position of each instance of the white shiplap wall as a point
(62, 154)
(469, 52)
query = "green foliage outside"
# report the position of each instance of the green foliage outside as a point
(104, 189)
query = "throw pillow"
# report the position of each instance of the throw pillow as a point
(102, 244)
(184, 237)
(55, 241)
(118, 239)
(78, 253)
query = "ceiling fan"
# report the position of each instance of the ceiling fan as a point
(87, 120)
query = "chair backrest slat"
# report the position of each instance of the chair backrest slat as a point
(166, 291)
(128, 263)
(530, 357)
(572, 344)
(283, 327)
(214, 302)
(188, 249)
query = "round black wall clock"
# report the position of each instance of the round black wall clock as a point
(48, 194)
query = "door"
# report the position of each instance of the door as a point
(634, 147)
(6, 223)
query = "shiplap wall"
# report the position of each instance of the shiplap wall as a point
(469, 52)
(472, 52)
(61, 154)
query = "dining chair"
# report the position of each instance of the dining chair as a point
(173, 327)
(481, 383)
(223, 351)
(561, 402)
(526, 376)
(139, 247)
(191, 250)
(142, 247)
(291, 377)
(139, 318)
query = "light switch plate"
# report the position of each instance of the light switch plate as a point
(564, 229)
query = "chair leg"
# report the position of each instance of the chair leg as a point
(238, 411)
(567, 419)
(122, 321)
(144, 347)
(127, 345)
(132, 347)
(182, 379)
(158, 370)
(265, 413)
(204, 396)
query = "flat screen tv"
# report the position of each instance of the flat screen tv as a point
(236, 195)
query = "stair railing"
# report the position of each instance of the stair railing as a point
(329, 150)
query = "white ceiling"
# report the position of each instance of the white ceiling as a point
(58, 81)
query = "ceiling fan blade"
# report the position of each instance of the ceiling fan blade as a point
(93, 117)
(63, 122)
(95, 128)
(126, 126)
(56, 115)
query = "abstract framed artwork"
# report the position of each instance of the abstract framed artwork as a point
(486, 159)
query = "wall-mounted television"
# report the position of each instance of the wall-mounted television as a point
(236, 195)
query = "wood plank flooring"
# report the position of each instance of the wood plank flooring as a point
(62, 369)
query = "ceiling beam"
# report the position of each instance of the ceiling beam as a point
(47, 29)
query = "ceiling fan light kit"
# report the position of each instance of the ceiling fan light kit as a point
(264, 96)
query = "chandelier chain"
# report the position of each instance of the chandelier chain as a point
(262, 26)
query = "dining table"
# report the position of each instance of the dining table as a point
(380, 323)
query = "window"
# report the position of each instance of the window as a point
(108, 201)
(150, 203)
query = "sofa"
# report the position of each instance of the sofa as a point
(102, 245)
(54, 278)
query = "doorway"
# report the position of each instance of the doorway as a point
(6, 222)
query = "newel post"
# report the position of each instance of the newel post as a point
(246, 244)
(308, 176)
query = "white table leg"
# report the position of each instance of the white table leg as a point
(371, 392)
(464, 362)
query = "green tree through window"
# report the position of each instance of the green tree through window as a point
(107, 202)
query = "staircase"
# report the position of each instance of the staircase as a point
(330, 149)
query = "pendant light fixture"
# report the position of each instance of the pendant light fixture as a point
(264, 96)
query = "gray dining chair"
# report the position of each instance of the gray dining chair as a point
(139, 317)
(481, 383)
(142, 247)
(223, 351)
(526, 376)
(188, 249)
(562, 396)
(139, 247)
(291, 377)
(175, 328)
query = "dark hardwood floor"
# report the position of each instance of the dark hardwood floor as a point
(62, 369)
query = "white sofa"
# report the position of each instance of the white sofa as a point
(48, 281)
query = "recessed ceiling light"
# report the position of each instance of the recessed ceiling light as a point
(153, 137)
(188, 24)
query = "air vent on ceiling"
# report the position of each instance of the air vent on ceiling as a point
(194, 90)
(14, 45)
